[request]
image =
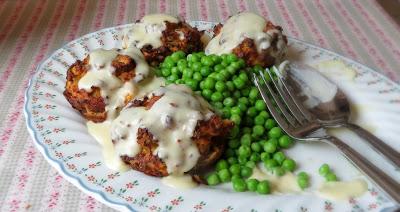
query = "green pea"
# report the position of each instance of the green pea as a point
(285, 141)
(303, 175)
(237, 94)
(244, 77)
(255, 157)
(197, 76)
(229, 102)
(251, 112)
(256, 147)
(207, 93)
(236, 119)
(234, 143)
(172, 77)
(248, 121)
(224, 175)
(260, 105)
(193, 84)
(258, 130)
(216, 96)
(231, 69)
(220, 86)
(179, 81)
(217, 105)
(252, 184)
(205, 71)
(264, 156)
(216, 59)
(232, 160)
(166, 72)
(213, 179)
(250, 164)
(289, 165)
(269, 147)
(259, 120)
(182, 64)
(209, 83)
(218, 67)
(230, 86)
(330, 177)
(246, 140)
(236, 177)
(221, 164)
(236, 110)
(254, 93)
(220, 77)
(224, 63)
(187, 73)
(231, 58)
(246, 172)
(245, 91)
(264, 114)
(279, 157)
(226, 94)
(207, 61)
(278, 171)
(324, 169)
(239, 185)
(269, 124)
(242, 159)
(239, 83)
(192, 58)
(275, 132)
(235, 169)
(302, 182)
(244, 150)
(176, 56)
(270, 163)
(246, 130)
(263, 187)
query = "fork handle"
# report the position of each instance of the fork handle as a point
(377, 143)
(389, 185)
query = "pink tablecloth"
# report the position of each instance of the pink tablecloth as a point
(31, 30)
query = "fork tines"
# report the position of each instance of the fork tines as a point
(288, 112)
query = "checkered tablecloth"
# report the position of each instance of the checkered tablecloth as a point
(31, 30)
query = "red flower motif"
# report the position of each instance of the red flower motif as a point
(129, 199)
(59, 154)
(109, 189)
(225, 210)
(50, 118)
(151, 194)
(92, 165)
(175, 202)
(198, 207)
(56, 130)
(352, 201)
(129, 185)
(153, 208)
(71, 166)
(328, 207)
(374, 193)
(91, 178)
(372, 206)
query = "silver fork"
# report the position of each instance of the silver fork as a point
(301, 125)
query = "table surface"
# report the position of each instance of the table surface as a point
(31, 30)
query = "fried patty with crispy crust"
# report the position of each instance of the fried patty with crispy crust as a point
(91, 104)
(176, 37)
(247, 49)
(209, 136)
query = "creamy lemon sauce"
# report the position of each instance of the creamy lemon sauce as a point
(336, 69)
(342, 190)
(101, 132)
(148, 31)
(171, 120)
(179, 181)
(242, 26)
(101, 75)
(283, 184)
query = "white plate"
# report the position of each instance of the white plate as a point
(59, 132)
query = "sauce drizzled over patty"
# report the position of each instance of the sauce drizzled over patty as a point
(171, 120)
(268, 39)
(101, 75)
(149, 30)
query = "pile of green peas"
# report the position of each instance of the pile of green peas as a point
(225, 82)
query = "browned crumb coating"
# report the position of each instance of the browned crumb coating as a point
(176, 37)
(247, 49)
(91, 104)
(208, 135)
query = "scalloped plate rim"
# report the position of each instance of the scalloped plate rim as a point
(99, 195)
